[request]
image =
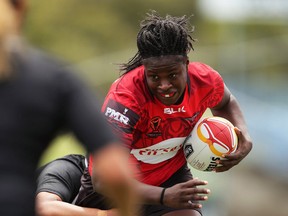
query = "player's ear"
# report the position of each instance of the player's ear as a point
(186, 60)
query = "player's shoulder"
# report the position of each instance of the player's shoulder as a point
(75, 162)
(199, 68)
(128, 80)
(131, 87)
(201, 74)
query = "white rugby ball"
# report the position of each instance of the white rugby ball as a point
(209, 140)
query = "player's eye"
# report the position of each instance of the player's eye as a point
(155, 77)
(173, 76)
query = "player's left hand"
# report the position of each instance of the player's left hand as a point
(244, 147)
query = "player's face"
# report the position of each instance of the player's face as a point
(167, 77)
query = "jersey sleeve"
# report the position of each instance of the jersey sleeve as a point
(62, 177)
(218, 89)
(122, 111)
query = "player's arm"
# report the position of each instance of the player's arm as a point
(181, 195)
(49, 204)
(229, 108)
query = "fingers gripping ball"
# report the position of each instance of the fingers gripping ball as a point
(209, 140)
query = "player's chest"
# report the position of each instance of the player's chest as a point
(163, 123)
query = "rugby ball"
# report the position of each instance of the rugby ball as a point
(209, 140)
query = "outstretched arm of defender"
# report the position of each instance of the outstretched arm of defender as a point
(48, 204)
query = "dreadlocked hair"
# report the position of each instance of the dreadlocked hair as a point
(160, 36)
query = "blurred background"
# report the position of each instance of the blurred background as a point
(245, 40)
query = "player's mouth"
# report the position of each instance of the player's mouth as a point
(170, 95)
(168, 98)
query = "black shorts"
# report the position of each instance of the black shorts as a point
(182, 175)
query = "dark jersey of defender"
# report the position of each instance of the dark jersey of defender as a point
(62, 177)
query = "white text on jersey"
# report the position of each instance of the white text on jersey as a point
(111, 113)
(172, 110)
(159, 151)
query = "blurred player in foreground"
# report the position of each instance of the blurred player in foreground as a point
(40, 98)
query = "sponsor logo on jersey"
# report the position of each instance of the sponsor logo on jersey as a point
(118, 112)
(171, 110)
(159, 152)
(125, 111)
(155, 123)
(111, 113)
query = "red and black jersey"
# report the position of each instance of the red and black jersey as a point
(155, 132)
